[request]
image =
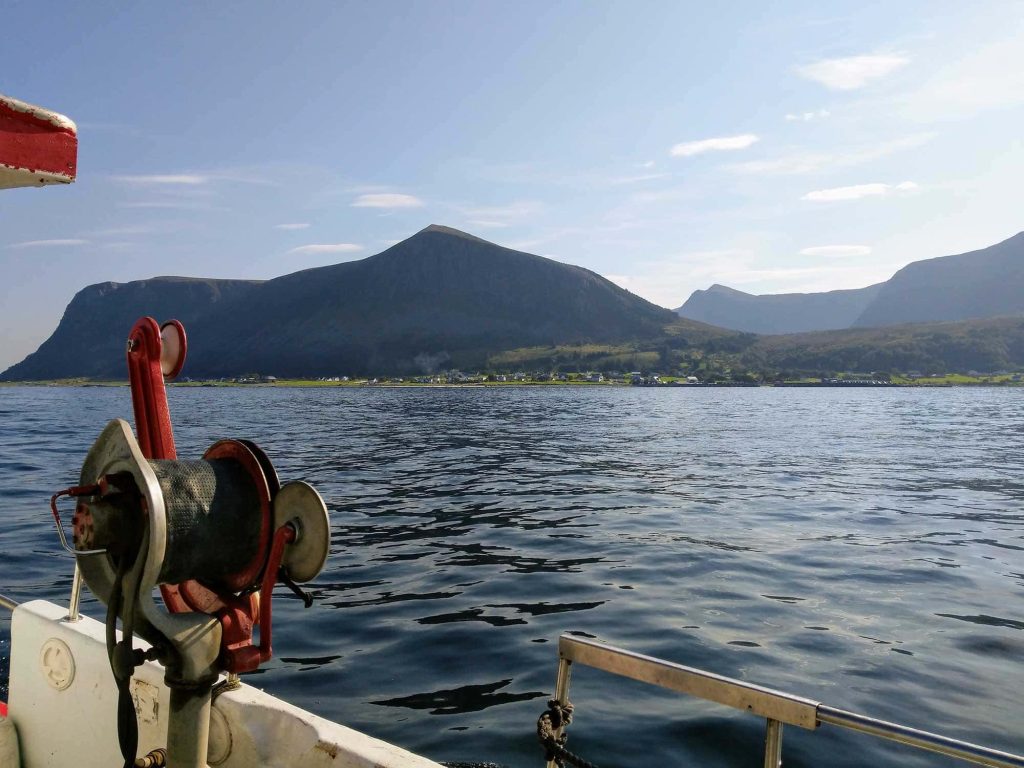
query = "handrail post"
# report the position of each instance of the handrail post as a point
(773, 744)
(561, 693)
(76, 594)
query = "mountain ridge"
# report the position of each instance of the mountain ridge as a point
(986, 282)
(441, 295)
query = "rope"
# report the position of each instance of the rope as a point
(557, 716)
(155, 759)
(230, 683)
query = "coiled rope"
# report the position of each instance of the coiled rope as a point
(556, 716)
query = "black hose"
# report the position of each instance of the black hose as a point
(124, 595)
(127, 725)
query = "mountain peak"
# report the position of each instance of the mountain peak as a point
(441, 229)
(719, 288)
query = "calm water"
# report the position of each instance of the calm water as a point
(861, 547)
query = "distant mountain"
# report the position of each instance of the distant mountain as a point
(777, 313)
(441, 298)
(984, 283)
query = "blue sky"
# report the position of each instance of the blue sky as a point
(666, 145)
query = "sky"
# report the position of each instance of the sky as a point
(772, 147)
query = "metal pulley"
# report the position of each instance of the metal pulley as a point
(209, 521)
(214, 534)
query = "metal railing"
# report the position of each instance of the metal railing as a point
(8, 603)
(778, 708)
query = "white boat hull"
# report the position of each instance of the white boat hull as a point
(63, 703)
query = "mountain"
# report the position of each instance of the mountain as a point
(777, 313)
(90, 339)
(988, 344)
(441, 298)
(984, 283)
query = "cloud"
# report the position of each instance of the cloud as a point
(48, 243)
(301, 225)
(187, 179)
(807, 162)
(179, 180)
(806, 117)
(486, 224)
(387, 200)
(327, 248)
(851, 73)
(989, 77)
(668, 282)
(636, 179)
(721, 143)
(161, 204)
(500, 216)
(141, 229)
(858, 191)
(836, 250)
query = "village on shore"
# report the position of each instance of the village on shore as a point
(632, 378)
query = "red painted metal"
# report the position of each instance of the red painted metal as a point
(152, 416)
(237, 451)
(237, 614)
(33, 143)
(237, 653)
(149, 398)
(3, 709)
(283, 536)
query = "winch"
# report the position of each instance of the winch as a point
(214, 534)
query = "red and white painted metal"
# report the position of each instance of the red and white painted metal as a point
(37, 146)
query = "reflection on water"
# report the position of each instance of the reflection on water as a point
(860, 547)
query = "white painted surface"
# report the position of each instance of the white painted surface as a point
(56, 119)
(11, 177)
(8, 744)
(77, 725)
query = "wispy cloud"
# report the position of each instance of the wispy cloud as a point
(989, 77)
(387, 200)
(140, 229)
(858, 191)
(636, 179)
(48, 243)
(669, 282)
(808, 162)
(836, 251)
(299, 225)
(185, 179)
(500, 216)
(851, 73)
(721, 143)
(327, 248)
(170, 205)
(807, 117)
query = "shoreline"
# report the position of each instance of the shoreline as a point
(366, 384)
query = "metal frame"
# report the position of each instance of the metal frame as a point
(777, 707)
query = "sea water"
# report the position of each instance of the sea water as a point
(861, 547)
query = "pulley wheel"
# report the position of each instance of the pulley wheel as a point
(298, 503)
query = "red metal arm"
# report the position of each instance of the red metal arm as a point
(149, 398)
